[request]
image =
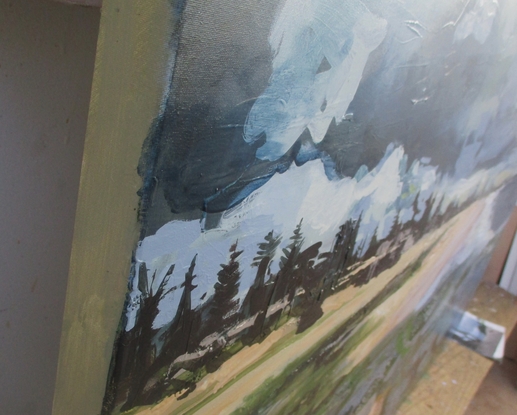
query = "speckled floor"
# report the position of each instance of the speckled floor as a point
(498, 392)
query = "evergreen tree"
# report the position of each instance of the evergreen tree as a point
(226, 289)
(148, 311)
(175, 343)
(435, 214)
(256, 299)
(293, 249)
(258, 296)
(267, 249)
(176, 339)
(343, 250)
(396, 229)
(307, 302)
(143, 356)
(373, 246)
(306, 277)
(342, 254)
(414, 205)
(283, 282)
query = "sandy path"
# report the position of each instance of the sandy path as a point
(337, 309)
(403, 303)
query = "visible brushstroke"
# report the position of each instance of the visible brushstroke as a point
(294, 172)
(463, 10)
(477, 22)
(324, 66)
(150, 151)
(305, 278)
(415, 101)
(204, 166)
(415, 27)
(390, 190)
(321, 49)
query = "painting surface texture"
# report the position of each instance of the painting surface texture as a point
(323, 183)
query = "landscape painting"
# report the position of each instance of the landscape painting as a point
(322, 186)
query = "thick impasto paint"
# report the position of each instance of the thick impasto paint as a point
(324, 181)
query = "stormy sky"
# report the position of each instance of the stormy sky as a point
(260, 86)
(274, 117)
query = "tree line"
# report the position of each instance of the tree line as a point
(149, 364)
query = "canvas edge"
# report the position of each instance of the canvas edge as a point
(130, 74)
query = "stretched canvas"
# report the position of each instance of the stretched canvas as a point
(320, 183)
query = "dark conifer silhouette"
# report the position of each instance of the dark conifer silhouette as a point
(267, 249)
(373, 246)
(258, 296)
(293, 249)
(425, 220)
(176, 338)
(307, 304)
(123, 361)
(144, 353)
(342, 254)
(223, 302)
(284, 283)
(414, 205)
(148, 311)
(396, 229)
(205, 337)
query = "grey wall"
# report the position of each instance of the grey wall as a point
(47, 51)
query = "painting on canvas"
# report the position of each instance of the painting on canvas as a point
(323, 182)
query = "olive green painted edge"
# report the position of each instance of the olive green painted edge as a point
(129, 79)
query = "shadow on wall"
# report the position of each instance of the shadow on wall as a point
(47, 52)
